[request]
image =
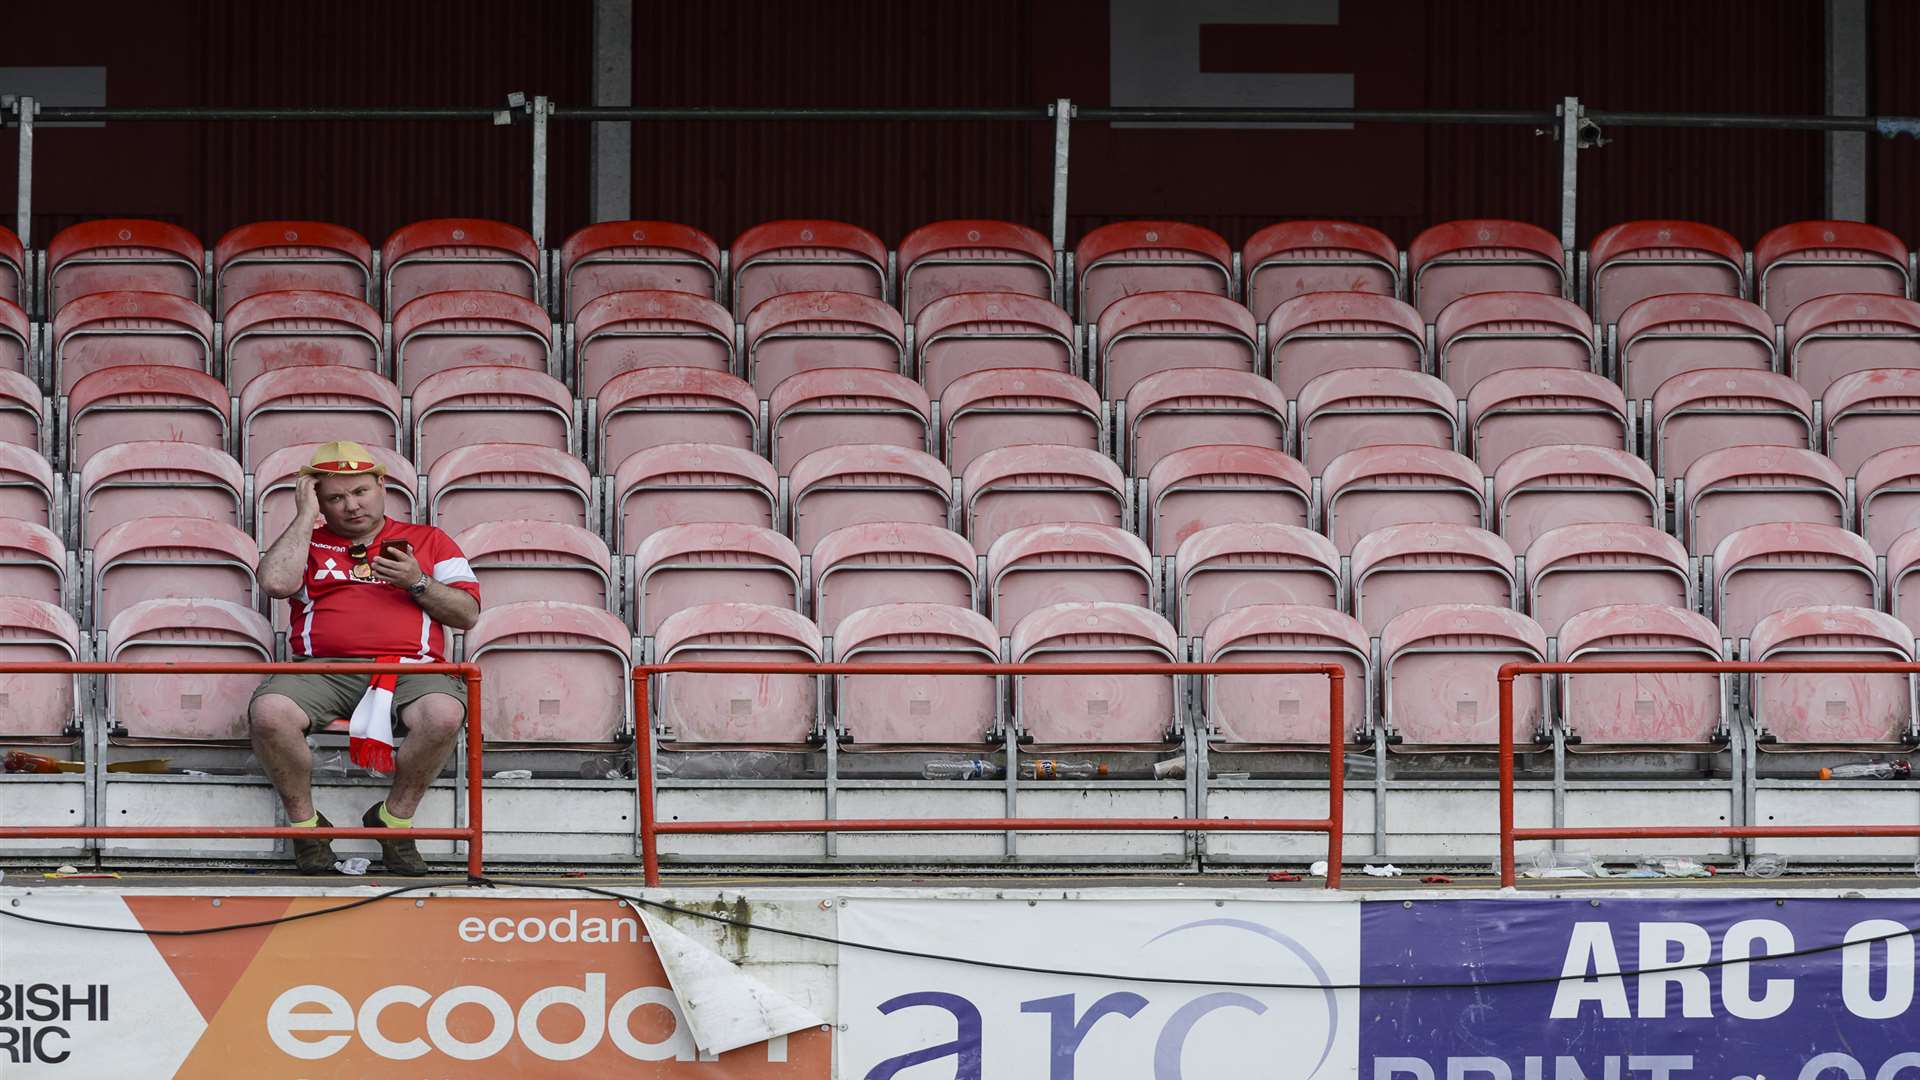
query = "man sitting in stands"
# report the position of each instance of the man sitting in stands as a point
(359, 592)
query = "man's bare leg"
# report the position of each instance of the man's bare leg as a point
(279, 731)
(433, 727)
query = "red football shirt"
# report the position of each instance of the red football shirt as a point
(336, 614)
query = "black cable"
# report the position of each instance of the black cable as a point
(803, 935)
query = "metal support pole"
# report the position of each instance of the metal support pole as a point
(1506, 778)
(643, 794)
(1336, 772)
(539, 209)
(610, 145)
(1570, 115)
(1062, 124)
(476, 746)
(23, 217)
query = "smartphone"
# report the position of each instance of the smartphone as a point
(387, 547)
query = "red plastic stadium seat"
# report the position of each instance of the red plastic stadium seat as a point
(1067, 710)
(1748, 485)
(806, 256)
(176, 558)
(23, 411)
(841, 406)
(1522, 408)
(1476, 336)
(1205, 486)
(1667, 711)
(1766, 568)
(1147, 333)
(1837, 335)
(1639, 259)
(986, 410)
(1575, 568)
(16, 330)
(275, 475)
(1698, 412)
(684, 483)
(1040, 485)
(1795, 263)
(1867, 412)
(1185, 407)
(1548, 487)
(1402, 567)
(684, 566)
(910, 710)
(1437, 667)
(504, 481)
(1838, 710)
(471, 405)
(552, 672)
(1295, 258)
(1311, 335)
(958, 335)
(863, 566)
(631, 331)
(797, 332)
(28, 490)
(1038, 566)
(1131, 257)
(279, 256)
(1903, 586)
(38, 706)
(951, 257)
(317, 404)
(274, 330)
(519, 561)
(128, 404)
(1664, 336)
(186, 706)
(33, 563)
(122, 255)
(1346, 410)
(639, 410)
(458, 255)
(1460, 258)
(702, 709)
(13, 262)
(1255, 711)
(1377, 486)
(1228, 567)
(133, 480)
(104, 330)
(1886, 491)
(853, 485)
(463, 329)
(625, 256)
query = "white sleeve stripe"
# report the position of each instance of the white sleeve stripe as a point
(449, 571)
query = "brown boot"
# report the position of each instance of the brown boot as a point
(399, 856)
(314, 856)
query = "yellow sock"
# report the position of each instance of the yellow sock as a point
(392, 822)
(311, 823)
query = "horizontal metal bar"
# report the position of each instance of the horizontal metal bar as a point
(223, 832)
(1723, 832)
(258, 667)
(642, 112)
(731, 667)
(98, 113)
(1764, 122)
(1314, 825)
(1509, 671)
(1145, 114)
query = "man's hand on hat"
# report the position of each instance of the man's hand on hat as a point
(396, 567)
(306, 498)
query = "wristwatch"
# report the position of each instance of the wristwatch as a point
(418, 588)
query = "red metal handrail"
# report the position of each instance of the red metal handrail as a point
(471, 832)
(1332, 825)
(1510, 834)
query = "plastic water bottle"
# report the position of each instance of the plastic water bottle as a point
(970, 769)
(1054, 769)
(1874, 770)
(1767, 866)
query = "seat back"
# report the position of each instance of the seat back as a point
(509, 482)
(518, 561)
(640, 410)
(1638, 259)
(1205, 486)
(23, 412)
(186, 706)
(1437, 669)
(275, 476)
(627, 256)
(1095, 710)
(274, 330)
(1298, 258)
(130, 404)
(13, 263)
(1040, 485)
(632, 331)
(1522, 408)
(807, 331)
(467, 406)
(33, 631)
(911, 710)
(781, 257)
(1480, 335)
(1748, 485)
(1174, 410)
(1663, 336)
(1576, 568)
(458, 255)
(104, 330)
(1766, 568)
(16, 330)
(1886, 490)
(1831, 709)
(1228, 567)
(1807, 259)
(842, 406)
(122, 255)
(1666, 710)
(284, 256)
(1346, 410)
(860, 483)
(445, 330)
(317, 404)
(862, 566)
(1903, 586)
(1832, 336)
(708, 709)
(552, 672)
(684, 483)
(685, 566)
(1698, 412)
(958, 335)
(1147, 333)
(1403, 567)
(158, 479)
(33, 562)
(1458, 258)
(178, 558)
(951, 257)
(1127, 258)
(1546, 487)
(28, 490)
(1377, 486)
(986, 410)
(1038, 566)
(1867, 412)
(1311, 335)
(1256, 711)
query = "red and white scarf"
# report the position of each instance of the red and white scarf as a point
(370, 728)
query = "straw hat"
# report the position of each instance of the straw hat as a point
(343, 458)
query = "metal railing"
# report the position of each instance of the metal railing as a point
(470, 832)
(651, 828)
(1511, 834)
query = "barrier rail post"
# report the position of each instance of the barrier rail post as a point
(1506, 774)
(1336, 771)
(643, 794)
(476, 765)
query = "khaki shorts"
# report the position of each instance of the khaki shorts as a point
(325, 698)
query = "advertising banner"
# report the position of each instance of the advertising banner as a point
(922, 1018)
(400, 988)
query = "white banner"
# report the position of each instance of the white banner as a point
(933, 1019)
